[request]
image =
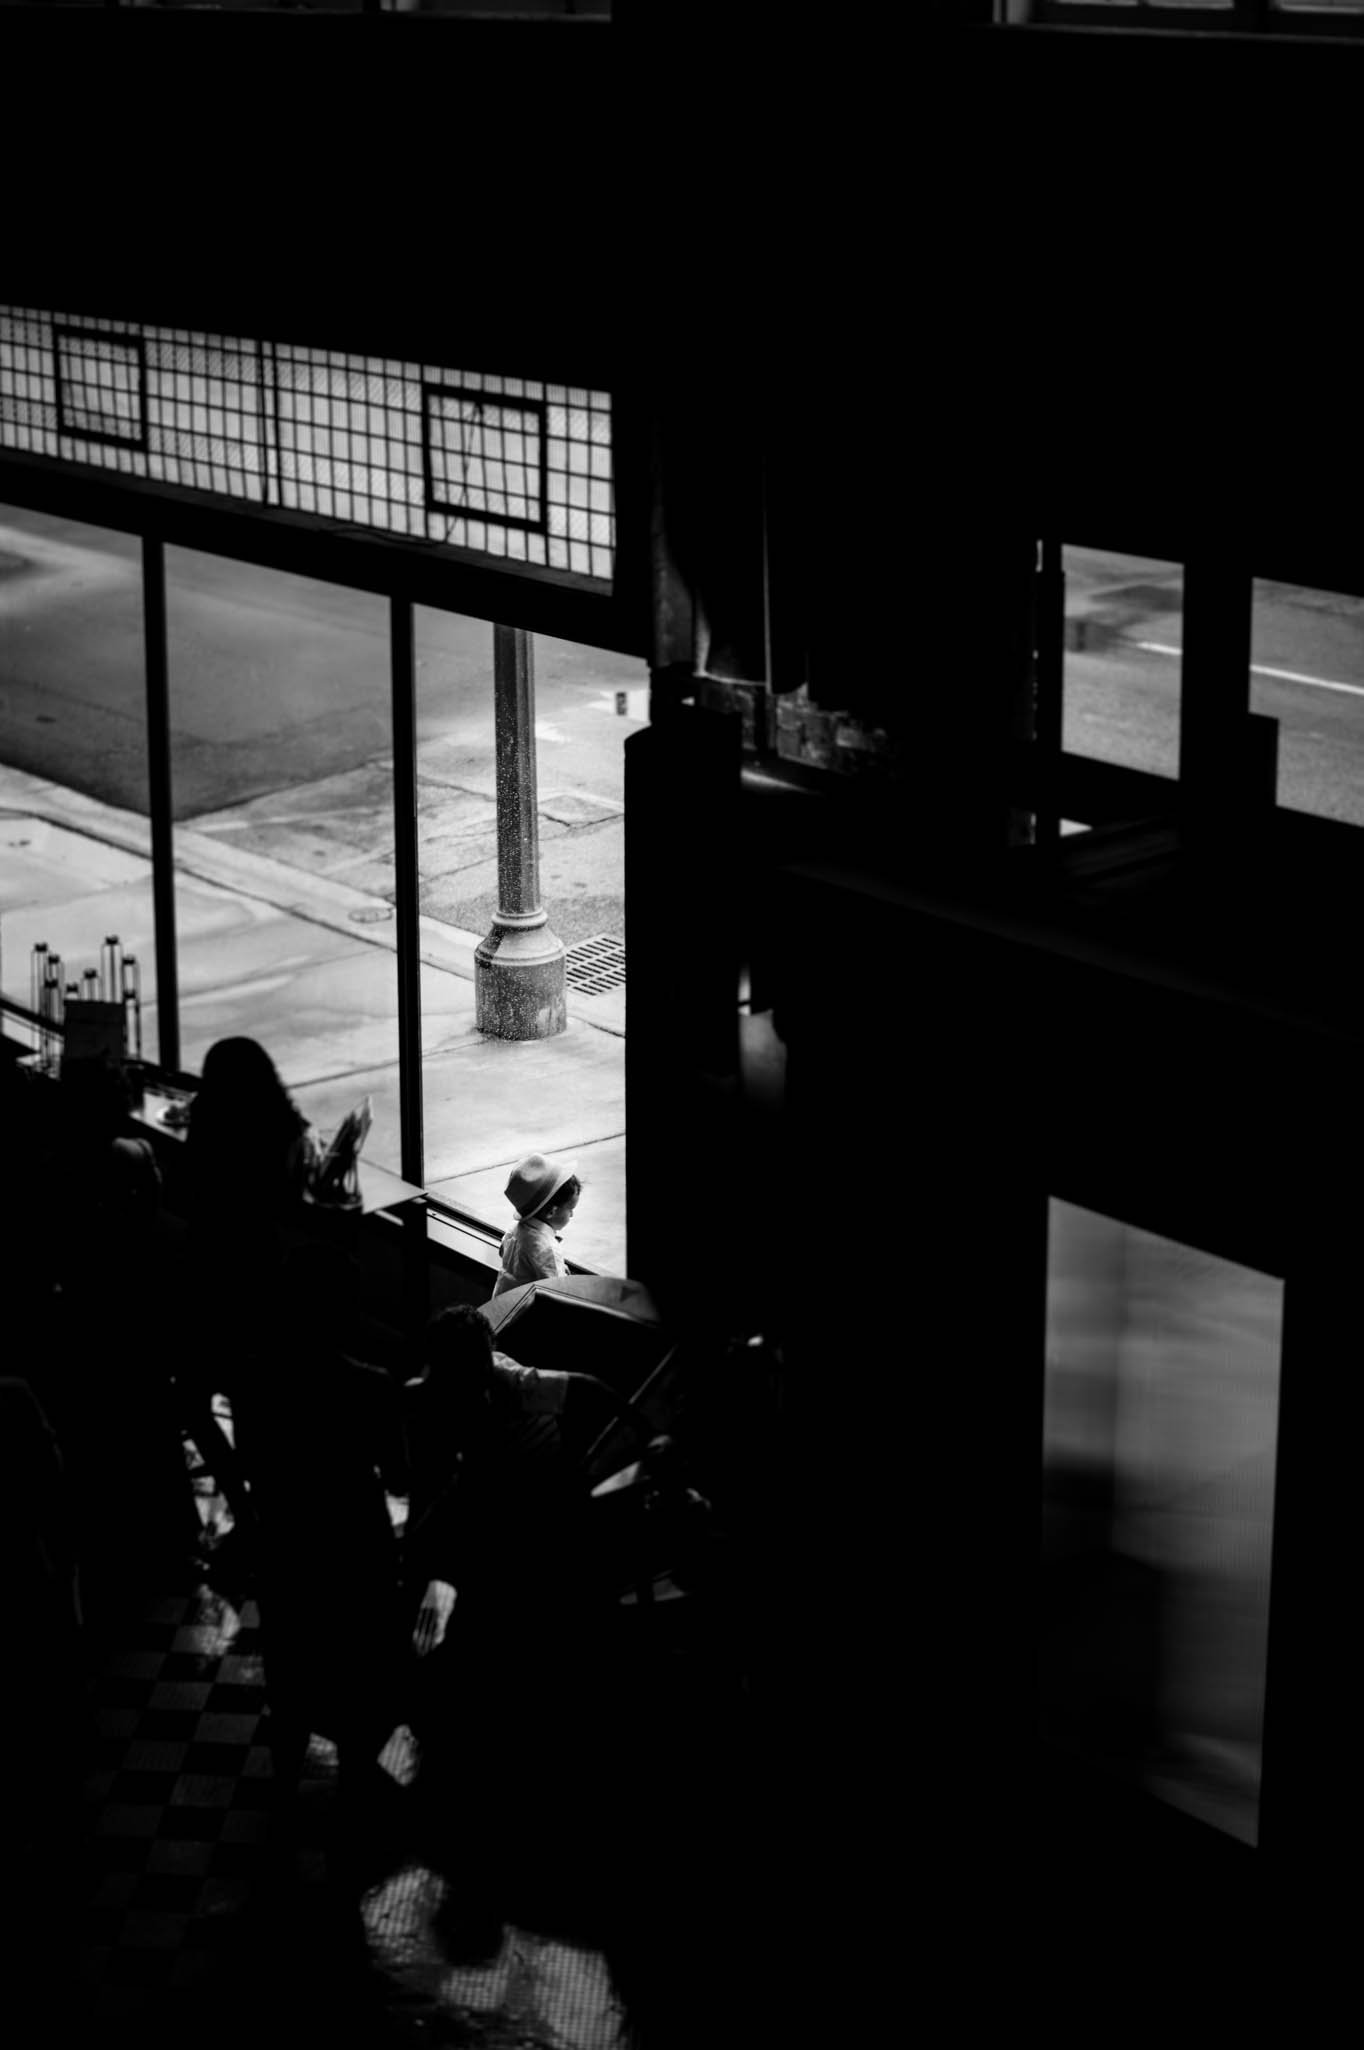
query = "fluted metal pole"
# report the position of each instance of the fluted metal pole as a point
(519, 985)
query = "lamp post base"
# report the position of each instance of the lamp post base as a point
(519, 985)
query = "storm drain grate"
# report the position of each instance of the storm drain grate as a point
(596, 966)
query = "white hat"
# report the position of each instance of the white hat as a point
(535, 1181)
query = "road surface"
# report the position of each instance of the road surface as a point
(1121, 699)
(280, 719)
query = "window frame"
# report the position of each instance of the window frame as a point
(1054, 784)
(556, 603)
(1241, 17)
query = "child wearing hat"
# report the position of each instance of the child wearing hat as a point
(544, 1194)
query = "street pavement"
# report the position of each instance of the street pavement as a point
(341, 827)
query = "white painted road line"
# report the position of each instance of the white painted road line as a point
(1351, 690)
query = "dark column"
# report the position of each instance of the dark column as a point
(682, 1014)
(1228, 757)
(519, 968)
(160, 800)
(407, 886)
(1305, 1804)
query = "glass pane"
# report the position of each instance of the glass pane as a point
(1123, 632)
(1307, 671)
(1161, 1419)
(488, 1101)
(282, 768)
(75, 842)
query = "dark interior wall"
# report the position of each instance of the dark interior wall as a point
(1167, 216)
(1094, 281)
(396, 184)
(1102, 194)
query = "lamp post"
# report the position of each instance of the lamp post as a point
(519, 968)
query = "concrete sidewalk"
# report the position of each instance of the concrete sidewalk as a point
(305, 963)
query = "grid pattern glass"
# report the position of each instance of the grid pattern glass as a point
(508, 468)
(101, 383)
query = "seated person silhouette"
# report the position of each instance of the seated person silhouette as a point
(471, 1413)
(104, 1376)
(480, 1430)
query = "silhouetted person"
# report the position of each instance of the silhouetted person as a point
(105, 1376)
(484, 1431)
(320, 1440)
(31, 1212)
(491, 1493)
(246, 1158)
(44, 1725)
(509, 1713)
(467, 1396)
(247, 1154)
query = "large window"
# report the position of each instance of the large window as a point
(569, 1091)
(1263, 16)
(1122, 663)
(283, 909)
(1124, 643)
(75, 842)
(1307, 673)
(284, 913)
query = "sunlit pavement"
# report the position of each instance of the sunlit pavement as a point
(305, 963)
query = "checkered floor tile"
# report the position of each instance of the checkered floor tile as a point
(215, 1901)
(214, 1897)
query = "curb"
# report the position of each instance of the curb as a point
(359, 914)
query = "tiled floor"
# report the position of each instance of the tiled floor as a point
(218, 1908)
(180, 1799)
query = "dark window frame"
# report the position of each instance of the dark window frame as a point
(133, 345)
(1241, 17)
(1055, 784)
(536, 409)
(553, 602)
